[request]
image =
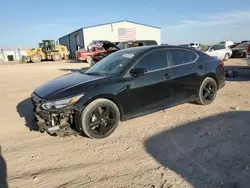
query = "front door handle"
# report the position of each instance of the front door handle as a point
(166, 76)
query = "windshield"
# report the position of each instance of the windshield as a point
(203, 48)
(243, 45)
(112, 64)
(122, 45)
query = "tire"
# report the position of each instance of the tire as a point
(204, 90)
(226, 57)
(91, 111)
(36, 58)
(24, 59)
(89, 59)
(57, 57)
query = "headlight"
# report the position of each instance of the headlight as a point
(61, 103)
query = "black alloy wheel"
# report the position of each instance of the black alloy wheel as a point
(207, 92)
(100, 118)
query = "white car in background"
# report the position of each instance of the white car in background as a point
(227, 43)
(217, 50)
(194, 45)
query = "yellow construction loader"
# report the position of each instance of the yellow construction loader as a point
(47, 50)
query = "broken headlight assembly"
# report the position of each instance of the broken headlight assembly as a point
(61, 103)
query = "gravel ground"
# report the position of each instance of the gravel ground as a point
(184, 146)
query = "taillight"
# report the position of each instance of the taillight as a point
(248, 49)
(222, 63)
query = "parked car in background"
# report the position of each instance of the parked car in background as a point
(241, 50)
(217, 50)
(124, 85)
(248, 56)
(109, 49)
(122, 45)
(136, 43)
(84, 54)
(194, 45)
(235, 44)
(245, 41)
(227, 43)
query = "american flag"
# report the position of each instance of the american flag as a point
(126, 34)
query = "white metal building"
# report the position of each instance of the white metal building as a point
(114, 32)
(11, 55)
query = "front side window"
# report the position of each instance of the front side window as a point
(122, 45)
(150, 43)
(180, 56)
(220, 47)
(153, 61)
(214, 47)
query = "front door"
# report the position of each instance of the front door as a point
(153, 89)
(217, 50)
(221, 52)
(187, 74)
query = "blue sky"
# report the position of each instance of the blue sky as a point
(25, 23)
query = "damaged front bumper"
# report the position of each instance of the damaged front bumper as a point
(56, 122)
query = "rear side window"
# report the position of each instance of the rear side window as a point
(153, 61)
(181, 57)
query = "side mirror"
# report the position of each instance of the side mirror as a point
(135, 72)
(212, 50)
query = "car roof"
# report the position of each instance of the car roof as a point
(151, 47)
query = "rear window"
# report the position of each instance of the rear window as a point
(151, 43)
(203, 48)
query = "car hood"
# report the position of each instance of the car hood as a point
(66, 85)
(106, 45)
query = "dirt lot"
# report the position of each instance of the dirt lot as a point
(185, 146)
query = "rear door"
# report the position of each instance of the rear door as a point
(212, 51)
(186, 74)
(153, 89)
(217, 50)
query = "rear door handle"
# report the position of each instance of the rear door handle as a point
(200, 67)
(166, 76)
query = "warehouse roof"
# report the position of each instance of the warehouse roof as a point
(108, 24)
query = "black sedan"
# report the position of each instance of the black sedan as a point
(241, 50)
(126, 84)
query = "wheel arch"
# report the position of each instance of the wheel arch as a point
(211, 75)
(109, 97)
